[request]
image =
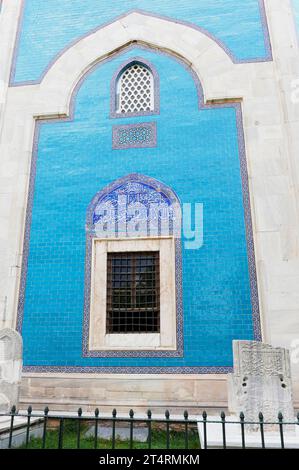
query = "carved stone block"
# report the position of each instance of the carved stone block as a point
(261, 382)
(10, 368)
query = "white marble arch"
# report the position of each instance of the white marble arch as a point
(205, 56)
(271, 127)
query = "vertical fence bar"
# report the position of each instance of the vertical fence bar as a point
(46, 412)
(149, 425)
(280, 419)
(79, 428)
(60, 436)
(167, 416)
(242, 419)
(204, 419)
(96, 426)
(113, 427)
(223, 429)
(12, 413)
(261, 420)
(186, 429)
(29, 411)
(131, 414)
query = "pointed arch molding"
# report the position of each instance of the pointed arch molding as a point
(214, 65)
(122, 18)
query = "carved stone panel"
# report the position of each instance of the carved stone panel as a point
(10, 368)
(261, 382)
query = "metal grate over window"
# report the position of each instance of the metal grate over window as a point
(135, 90)
(133, 292)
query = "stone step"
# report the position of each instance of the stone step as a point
(19, 430)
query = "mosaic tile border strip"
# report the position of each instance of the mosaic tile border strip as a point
(90, 234)
(248, 223)
(128, 370)
(148, 138)
(264, 22)
(113, 89)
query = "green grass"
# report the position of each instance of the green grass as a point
(177, 440)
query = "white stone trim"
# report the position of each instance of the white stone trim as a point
(166, 339)
(9, 20)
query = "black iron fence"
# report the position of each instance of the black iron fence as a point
(185, 426)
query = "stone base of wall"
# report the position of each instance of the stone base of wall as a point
(140, 392)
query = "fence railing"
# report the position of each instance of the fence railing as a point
(183, 425)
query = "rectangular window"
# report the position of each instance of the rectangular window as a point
(133, 292)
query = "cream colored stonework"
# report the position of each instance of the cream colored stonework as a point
(271, 126)
(166, 339)
(68, 391)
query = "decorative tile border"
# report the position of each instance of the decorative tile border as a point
(128, 370)
(264, 21)
(113, 88)
(141, 135)
(248, 223)
(170, 196)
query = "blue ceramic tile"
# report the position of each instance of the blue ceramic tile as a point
(197, 155)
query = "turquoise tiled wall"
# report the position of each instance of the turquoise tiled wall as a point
(197, 156)
(49, 26)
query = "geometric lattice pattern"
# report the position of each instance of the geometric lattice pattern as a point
(136, 90)
(140, 134)
(134, 136)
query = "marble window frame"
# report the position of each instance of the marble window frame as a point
(99, 339)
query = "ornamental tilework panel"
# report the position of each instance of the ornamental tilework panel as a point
(134, 136)
(109, 215)
(50, 26)
(198, 157)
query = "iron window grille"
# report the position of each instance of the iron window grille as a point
(133, 292)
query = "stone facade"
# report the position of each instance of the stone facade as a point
(254, 90)
(10, 369)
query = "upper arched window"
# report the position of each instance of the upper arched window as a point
(135, 90)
